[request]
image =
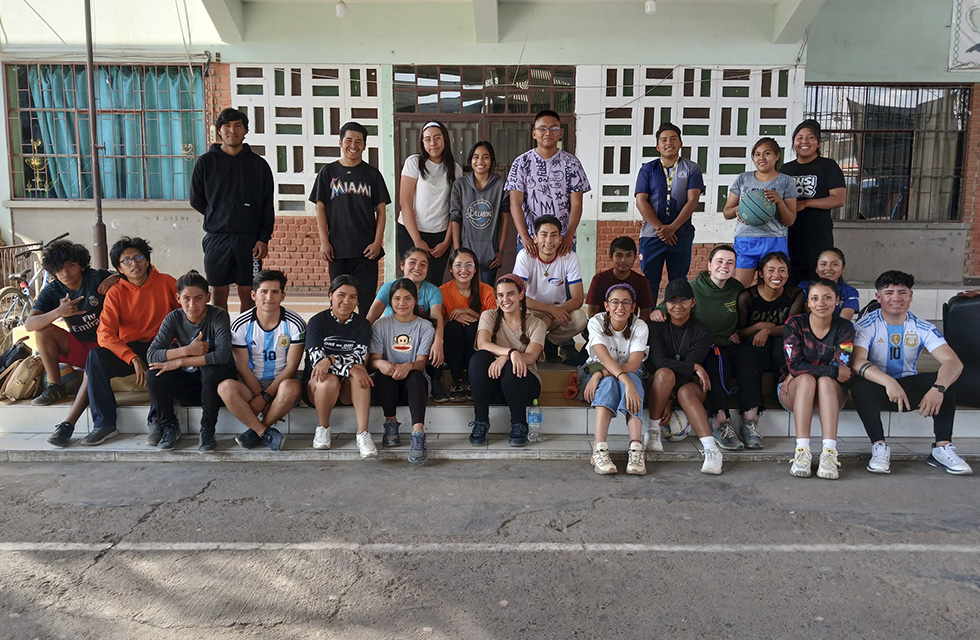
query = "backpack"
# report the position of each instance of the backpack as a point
(15, 353)
(24, 381)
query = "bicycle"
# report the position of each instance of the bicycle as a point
(17, 300)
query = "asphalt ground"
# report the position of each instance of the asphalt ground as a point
(484, 549)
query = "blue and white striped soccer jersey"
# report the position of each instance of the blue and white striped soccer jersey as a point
(895, 349)
(267, 348)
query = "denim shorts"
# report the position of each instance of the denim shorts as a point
(750, 249)
(611, 395)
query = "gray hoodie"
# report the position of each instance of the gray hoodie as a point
(479, 213)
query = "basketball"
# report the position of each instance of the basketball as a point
(754, 209)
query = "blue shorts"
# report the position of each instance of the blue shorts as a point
(749, 250)
(611, 395)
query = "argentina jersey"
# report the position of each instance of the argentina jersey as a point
(267, 349)
(895, 349)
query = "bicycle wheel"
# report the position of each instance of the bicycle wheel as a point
(14, 307)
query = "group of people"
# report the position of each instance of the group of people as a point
(450, 308)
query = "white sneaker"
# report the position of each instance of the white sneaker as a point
(651, 439)
(712, 462)
(636, 462)
(801, 463)
(827, 469)
(945, 456)
(365, 445)
(881, 456)
(321, 439)
(601, 461)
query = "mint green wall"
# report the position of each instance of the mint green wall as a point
(882, 41)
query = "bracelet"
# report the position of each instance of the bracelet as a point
(864, 368)
(621, 373)
(509, 353)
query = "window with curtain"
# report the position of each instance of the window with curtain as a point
(901, 147)
(150, 128)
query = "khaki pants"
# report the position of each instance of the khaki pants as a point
(558, 334)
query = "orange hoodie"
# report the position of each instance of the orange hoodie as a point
(134, 314)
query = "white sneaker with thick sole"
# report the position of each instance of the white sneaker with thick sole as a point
(652, 440)
(801, 463)
(881, 458)
(712, 462)
(945, 457)
(601, 461)
(636, 464)
(365, 445)
(321, 439)
(827, 469)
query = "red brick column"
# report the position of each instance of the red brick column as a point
(971, 191)
(217, 94)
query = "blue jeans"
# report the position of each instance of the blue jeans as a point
(611, 394)
(489, 276)
(655, 254)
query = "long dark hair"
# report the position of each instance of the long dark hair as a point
(515, 281)
(607, 323)
(475, 303)
(448, 159)
(486, 145)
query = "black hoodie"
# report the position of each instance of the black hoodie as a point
(235, 193)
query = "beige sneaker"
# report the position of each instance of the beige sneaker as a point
(601, 461)
(636, 464)
(801, 463)
(828, 465)
(651, 439)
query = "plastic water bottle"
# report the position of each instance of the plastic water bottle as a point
(534, 420)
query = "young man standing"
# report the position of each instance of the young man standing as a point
(547, 274)
(667, 193)
(350, 197)
(233, 188)
(132, 314)
(546, 181)
(886, 348)
(267, 344)
(622, 250)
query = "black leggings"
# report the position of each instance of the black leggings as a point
(197, 388)
(516, 392)
(437, 266)
(412, 390)
(750, 363)
(870, 400)
(458, 344)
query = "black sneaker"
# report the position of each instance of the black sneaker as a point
(62, 434)
(391, 438)
(418, 453)
(248, 439)
(457, 393)
(273, 438)
(156, 432)
(207, 442)
(551, 352)
(478, 433)
(518, 435)
(171, 434)
(99, 436)
(52, 393)
(438, 393)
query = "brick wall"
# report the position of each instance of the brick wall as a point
(217, 94)
(971, 191)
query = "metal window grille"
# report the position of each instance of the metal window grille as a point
(901, 147)
(151, 121)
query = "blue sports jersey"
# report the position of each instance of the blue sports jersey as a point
(895, 349)
(267, 349)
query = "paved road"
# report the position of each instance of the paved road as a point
(487, 549)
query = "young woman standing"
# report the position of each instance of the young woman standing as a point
(479, 210)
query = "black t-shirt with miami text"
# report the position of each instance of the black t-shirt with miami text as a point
(351, 196)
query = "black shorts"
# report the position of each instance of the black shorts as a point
(228, 259)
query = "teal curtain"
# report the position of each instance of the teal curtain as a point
(145, 117)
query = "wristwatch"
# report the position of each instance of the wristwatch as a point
(940, 388)
(265, 396)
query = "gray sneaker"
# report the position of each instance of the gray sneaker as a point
(418, 453)
(100, 435)
(726, 438)
(751, 435)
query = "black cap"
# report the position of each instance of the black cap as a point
(678, 288)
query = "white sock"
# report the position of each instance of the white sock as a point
(830, 444)
(803, 443)
(709, 443)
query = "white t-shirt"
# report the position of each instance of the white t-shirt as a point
(431, 194)
(546, 280)
(619, 347)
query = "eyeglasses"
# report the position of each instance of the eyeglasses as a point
(554, 129)
(464, 265)
(619, 303)
(138, 258)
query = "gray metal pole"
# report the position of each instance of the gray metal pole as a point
(100, 250)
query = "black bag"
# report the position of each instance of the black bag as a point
(17, 351)
(960, 319)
